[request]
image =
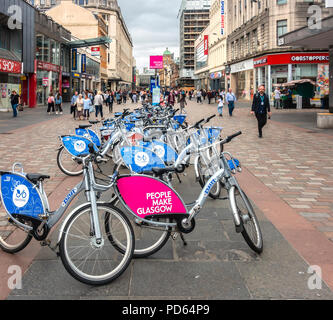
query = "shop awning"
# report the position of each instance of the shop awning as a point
(89, 42)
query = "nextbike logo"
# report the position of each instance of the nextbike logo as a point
(210, 186)
(21, 196)
(159, 150)
(69, 196)
(80, 146)
(141, 159)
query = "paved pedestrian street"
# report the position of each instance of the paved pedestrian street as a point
(288, 175)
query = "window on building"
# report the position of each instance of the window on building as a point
(282, 27)
(281, 2)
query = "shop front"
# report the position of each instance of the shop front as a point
(217, 80)
(242, 79)
(49, 80)
(276, 69)
(10, 79)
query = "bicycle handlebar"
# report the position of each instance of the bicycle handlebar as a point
(210, 118)
(228, 139)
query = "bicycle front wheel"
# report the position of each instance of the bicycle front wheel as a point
(91, 262)
(251, 233)
(68, 164)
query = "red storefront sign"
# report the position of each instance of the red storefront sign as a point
(292, 58)
(48, 66)
(206, 45)
(10, 66)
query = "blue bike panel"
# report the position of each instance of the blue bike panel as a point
(129, 126)
(164, 151)
(77, 146)
(213, 133)
(140, 159)
(180, 118)
(231, 164)
(89, 134)
(20, 197)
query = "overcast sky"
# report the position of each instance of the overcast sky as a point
(153, 25)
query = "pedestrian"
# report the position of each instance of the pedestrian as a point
(14, 101)
(125, 96)
(98, 102)
(231, 99)
(199, 95)
(79, 107)
(110, 101)
(261, 107)
(277, 99)
(183, 103)
(118, 97)
(220, 106)
(289, 98)
(134, 97)
(86, 107)
(50, 103)
(73, 104)
(172, 98)
(58, 103)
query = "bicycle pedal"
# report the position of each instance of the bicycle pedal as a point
(45, 243)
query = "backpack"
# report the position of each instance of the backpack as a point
(50, 100)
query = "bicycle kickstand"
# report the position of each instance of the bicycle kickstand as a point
(183, 239)
(180, 181)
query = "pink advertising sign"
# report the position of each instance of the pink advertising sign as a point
(156, 62)
(147, 197)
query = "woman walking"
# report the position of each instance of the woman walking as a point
(98, 102)
(86, 107)
(58, 103)
(220, 106)
(79, 107)
(182, 102)
(50, 103)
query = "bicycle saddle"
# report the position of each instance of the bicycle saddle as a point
(35, 177)
(85, 126)
(94, 122)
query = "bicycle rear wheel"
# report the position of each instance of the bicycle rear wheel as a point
(85, 259)
(13, 239)
(251, 233)
(68, 164)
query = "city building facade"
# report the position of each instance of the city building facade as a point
(17, 65)
(253, 51)
(169, 75)
(193, 18)
(119, 52)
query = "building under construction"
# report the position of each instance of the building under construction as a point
(193, 18)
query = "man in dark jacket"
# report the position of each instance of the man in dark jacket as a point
(14, 100)
(260, 108)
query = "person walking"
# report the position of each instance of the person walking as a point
(50, 103)
(111, 101)
(277, 99)
(183, 103)
(73, 102)
(199, 96)
(220, 105)
(86, 107)
(124, 96)
(172, 98)
(14, 101)
(58, 103)
(118, 97)
(260, 108)
(98, 103)
(231, 99)
(79, 107)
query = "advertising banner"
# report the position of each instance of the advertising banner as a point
(206, 45)
(156, 62)
(83, 63)
(74, 59)
(156, 96)
(222, 18)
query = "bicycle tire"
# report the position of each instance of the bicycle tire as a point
(255, 244)
(69, 264)
(66, 171)
(142, 252)
(202, 181)
(13, 248)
